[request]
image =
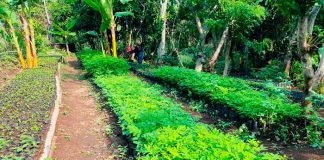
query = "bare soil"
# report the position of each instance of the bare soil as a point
(81, 127)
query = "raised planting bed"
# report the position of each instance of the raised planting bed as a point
(25, 104)
(162, 130)
(259, 106)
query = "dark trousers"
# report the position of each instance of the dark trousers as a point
(140, 57)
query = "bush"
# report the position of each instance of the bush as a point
(162, 130)
(231, 92)
(273, 71)
(99, 65)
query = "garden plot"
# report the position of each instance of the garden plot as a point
(25, 105)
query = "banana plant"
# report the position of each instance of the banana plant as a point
(105, 8)
(99, 37)
(29, 31)
(65, 33)
(8, 16)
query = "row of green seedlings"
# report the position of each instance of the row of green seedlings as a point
(288, 129)
(314, 125)
(25, 110)
(233, 97)
(159, 127)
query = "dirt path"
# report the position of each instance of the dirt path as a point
(81, 127)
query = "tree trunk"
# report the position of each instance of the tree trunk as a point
(108, 43)
(312, 17)
(49, 23)
(113, 40)
(200, 63)
(163, 14)
(20, 55)
(67, 46)
(227, 57)
(306, 58)
(214, 39)
(319, 76)
(213, 60)
(26, 35)
(287, 60)
(33, 43)
(202, 34)
(101, 45)
(130, 38)
(175, 49)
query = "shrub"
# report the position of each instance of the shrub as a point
(99, 65)
(273, 71)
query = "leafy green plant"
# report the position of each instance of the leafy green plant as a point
(272, 71)
(234, 93)
(162, 130)
(25, 107)
(98, 65)
(315, 128)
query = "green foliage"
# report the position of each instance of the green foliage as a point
(273, 71)
(297, 74)
(231, 92)
(24, 110)
(315, 128)
(99, 65)
(8, 61)
(162, 130)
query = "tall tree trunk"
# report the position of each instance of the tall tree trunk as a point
(49, 23)
(113, 34)
(163, 14)
(26, 35)
(202, 32)
(113, 40)
(305, 29)
(306, 59)
(289, 56)
(108, 43)
(213, 60)
(20, 55)
(227, 56)
(33, 42)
